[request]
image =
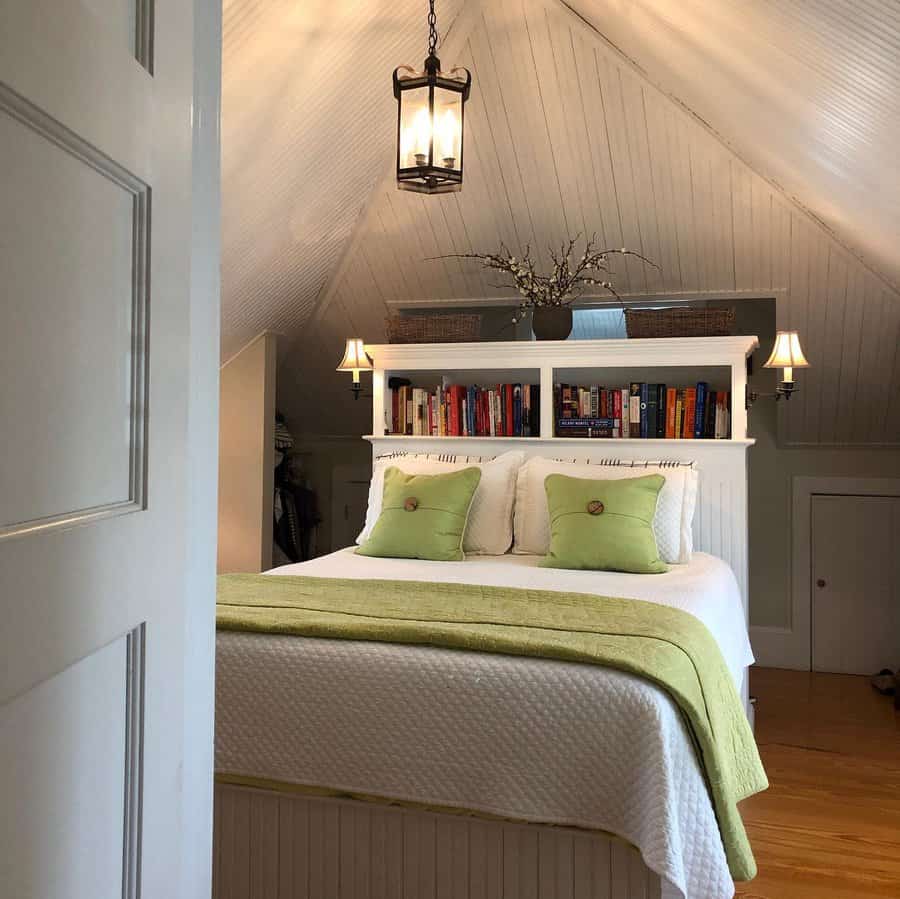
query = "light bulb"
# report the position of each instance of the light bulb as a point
(447, 133)
(421, 128)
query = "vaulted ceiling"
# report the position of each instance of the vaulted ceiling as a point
(744, 147)
(307, 115)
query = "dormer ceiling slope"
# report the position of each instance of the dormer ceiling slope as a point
(307, 126)
(564, 134)
(807, 93)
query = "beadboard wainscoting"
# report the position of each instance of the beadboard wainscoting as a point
(271, 845)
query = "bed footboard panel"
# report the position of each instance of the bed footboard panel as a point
(271, 845)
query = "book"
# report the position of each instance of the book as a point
(671, 393)
(709, 421)
(660, 410)
(723, 416)
(652, 409)
(690, 403)
(645, 414)
(564, 424)
(700, 409)
(634, 411)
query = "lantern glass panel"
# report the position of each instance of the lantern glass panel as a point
(447, 129)
(415, 127)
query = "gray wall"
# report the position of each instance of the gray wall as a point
(771, 471)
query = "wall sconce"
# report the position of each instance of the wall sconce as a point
(355, 360)
(787, 355)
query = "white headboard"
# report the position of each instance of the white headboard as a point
(720, 519)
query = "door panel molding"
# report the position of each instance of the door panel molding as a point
(135, 649)
(48, 128)
(143, 38)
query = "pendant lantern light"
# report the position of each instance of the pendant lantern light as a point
(430, 122)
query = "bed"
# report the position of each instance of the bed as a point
(342, 765)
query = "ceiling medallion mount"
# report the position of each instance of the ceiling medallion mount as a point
(430, 116)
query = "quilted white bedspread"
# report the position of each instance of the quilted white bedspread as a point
(531, 739)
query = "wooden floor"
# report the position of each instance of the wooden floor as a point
(829, 826)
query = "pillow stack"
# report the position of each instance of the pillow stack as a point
(423, 516)
(603, 525)
(607, 515)
(672, 520)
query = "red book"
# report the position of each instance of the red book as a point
(690, 405)
(510, 413)
(459, 396)
(670, 413)
(452, 413)
(617, 412)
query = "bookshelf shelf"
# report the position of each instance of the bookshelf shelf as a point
(721, 361)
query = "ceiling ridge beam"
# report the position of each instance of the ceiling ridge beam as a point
(785, 195)
(451, 45)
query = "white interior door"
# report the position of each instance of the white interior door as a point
(855, 583)
(106, 541)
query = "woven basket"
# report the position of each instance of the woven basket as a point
(679, 322)
(450, 328)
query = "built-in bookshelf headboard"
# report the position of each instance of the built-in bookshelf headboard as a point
(720, 520)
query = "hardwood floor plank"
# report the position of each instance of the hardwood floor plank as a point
(829, 826)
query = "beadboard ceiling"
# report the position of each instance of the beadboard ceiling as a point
(771, 179)
(807, 92)
(307, 124)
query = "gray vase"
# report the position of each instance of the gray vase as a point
(551, 322)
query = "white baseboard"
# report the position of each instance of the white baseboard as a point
(778, 647)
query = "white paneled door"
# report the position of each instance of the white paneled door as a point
(107, 273)
(855, 583)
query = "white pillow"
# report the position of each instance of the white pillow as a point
(674, 510)
(489, 530)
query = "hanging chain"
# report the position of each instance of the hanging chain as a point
(432, 29)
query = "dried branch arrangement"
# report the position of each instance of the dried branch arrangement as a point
(570, 276)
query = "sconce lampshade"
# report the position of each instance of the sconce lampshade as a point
(355, 357)
(787, 353)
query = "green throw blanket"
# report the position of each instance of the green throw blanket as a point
(667, 646)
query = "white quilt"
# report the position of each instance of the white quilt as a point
(531, 739)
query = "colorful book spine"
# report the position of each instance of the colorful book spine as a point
(690, 404)
(645, 412)
(660, 411)
(652, 409)
(700, 409)
(671, 410)
(634, 411)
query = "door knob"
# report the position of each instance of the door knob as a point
(820, 582)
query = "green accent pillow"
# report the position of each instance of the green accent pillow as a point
(423, 516)
(603, 525)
